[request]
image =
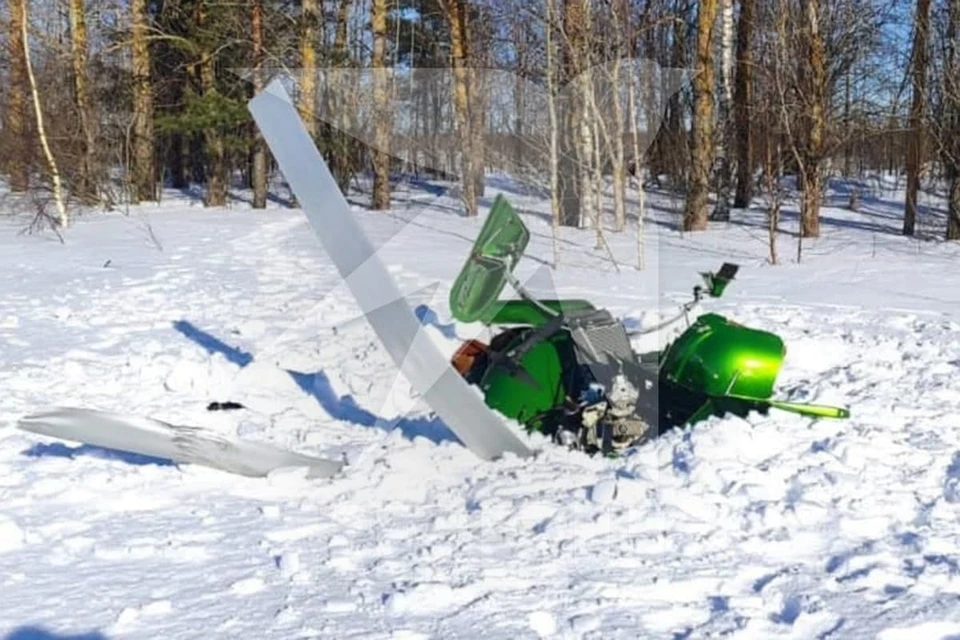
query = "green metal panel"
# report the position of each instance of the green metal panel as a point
(524, 312)
(495, 253)
(722, 358)
(515, 397)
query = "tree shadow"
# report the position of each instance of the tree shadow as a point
(513, 186)
(213, 344)
(60, 450)
(431, 188)
(317, 384)
(877, 214)
(756, 219)
(38, 633)
(237, 192)
(246, 197)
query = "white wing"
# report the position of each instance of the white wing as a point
(457, 404)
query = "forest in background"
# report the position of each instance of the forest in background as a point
(105, 102)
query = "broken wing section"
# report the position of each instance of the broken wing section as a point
(187, 445)
(462, 409)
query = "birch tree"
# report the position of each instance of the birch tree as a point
(721, 210)
(621, 25)
(62, 217)
(521, 45)
(554, 151)
(633, 114)
(478, 60)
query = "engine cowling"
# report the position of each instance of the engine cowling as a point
(722, 358)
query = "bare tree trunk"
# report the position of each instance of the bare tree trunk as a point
(847, 155)
(87, 186)
(701, 147)
(477, 95)
(307, 102)
(637, 168)
(455, 12)
(587, 117)
(554, 125)
(340, 36)
(341, 161)
(619, 152)
(621, 22)
(676, 143)
(952, 108)
(62, 218)
(815, 126)
(18, 162)
(381, 151)
(593, 171)
(721, 210)
(570, 25)
(520, 37)
(773, 210)
(144, 169)
(743, 105)
(917, 109)
(259, 178)
(953, 206)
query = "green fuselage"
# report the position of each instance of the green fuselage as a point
(715, 366)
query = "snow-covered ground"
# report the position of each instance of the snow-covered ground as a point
(773, 527)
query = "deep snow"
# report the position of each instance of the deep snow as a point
(774, 527)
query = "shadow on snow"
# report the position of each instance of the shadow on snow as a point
(317, 384)
(38, 633)
(61, 450)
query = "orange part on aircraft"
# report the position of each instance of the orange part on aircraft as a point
(466, 355)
